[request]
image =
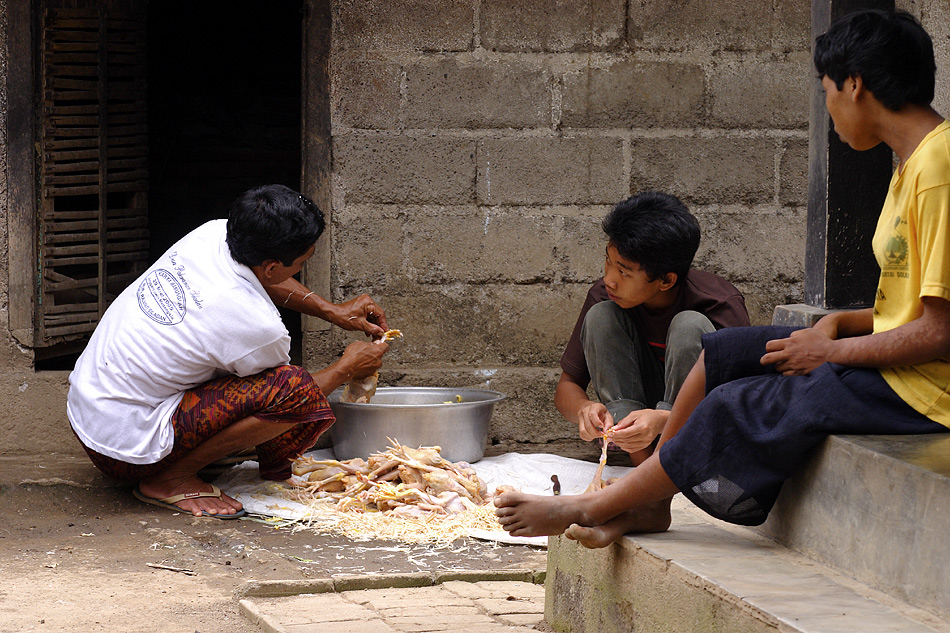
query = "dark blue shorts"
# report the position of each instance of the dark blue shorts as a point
(755, 427)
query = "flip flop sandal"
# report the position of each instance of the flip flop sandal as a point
(169, 502)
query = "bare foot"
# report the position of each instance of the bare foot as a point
(590, 537)
(162, 489)
(653, 518)
(532, 515)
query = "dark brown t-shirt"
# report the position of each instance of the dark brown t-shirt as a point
(712, 296)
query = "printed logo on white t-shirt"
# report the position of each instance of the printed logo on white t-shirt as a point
(162, 298)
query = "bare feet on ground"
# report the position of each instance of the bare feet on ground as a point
(162, 489)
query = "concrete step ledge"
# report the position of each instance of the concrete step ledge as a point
(707, 576)
(876, 508)
(358, 582)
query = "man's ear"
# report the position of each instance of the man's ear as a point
(668, 280)
(857, 87)
(268, 267)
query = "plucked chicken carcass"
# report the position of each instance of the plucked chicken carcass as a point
(401, 480)
(363, 389)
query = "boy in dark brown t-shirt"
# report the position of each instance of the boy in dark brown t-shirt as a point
(639, 331)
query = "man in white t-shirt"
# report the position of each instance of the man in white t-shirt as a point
(191, 362)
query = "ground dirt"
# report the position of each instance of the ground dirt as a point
(79, 553)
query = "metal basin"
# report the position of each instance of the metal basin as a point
(414, 416)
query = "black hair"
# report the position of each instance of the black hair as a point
(890, 51)
(656, 231)
(272, 222)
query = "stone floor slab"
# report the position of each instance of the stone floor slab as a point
(483, 607)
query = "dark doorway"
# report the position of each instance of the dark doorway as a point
(224, 110)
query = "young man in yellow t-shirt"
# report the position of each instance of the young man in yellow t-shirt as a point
(759, 399)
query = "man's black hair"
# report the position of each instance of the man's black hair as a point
(272, 222)
(890, 51)
(656, 231)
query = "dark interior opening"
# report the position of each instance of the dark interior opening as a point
(224, 114)
(224, 111)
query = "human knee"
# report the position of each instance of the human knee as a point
(690, 323)
(686, 331)
(289, 379)
(608, 320)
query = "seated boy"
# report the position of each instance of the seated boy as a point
(639, 332)
(760, 399)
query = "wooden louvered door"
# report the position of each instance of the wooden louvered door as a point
(93, 164)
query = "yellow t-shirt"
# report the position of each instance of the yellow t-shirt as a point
(912, 247)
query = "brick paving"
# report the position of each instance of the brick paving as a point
(490, 606)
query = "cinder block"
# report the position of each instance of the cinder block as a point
(552, 25)
(634, 94)
(581, 247)
(699, 24)
(934, 15)
(366, 93)
(369, 245)
(33, 414)
(483, 325)
(757, 94)
(793, 173)
(529, 416)
(482, 244)
(791, 26)
(406, 25)
(401, 169)
(706, 170)
(761, 299)
(760, 251)
(759, 245)
(550, 170)
(477, 93)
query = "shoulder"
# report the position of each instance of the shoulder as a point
(211, 228)
(701, 282)
(931, 164)
(715, 297)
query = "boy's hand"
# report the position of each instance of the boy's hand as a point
(799, 354)
(639, 429)
(593, 419)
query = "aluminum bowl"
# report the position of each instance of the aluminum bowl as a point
(414, 416)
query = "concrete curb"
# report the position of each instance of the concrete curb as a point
(281, 588)
(250, 611)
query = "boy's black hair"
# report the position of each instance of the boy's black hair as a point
(272, 222)
(890, 51)
(656, 231)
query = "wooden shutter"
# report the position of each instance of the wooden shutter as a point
(93, 163)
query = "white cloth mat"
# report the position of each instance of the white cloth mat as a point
(530, 473)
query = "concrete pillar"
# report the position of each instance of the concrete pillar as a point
(846, 190)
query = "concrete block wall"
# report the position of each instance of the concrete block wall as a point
(478, 143)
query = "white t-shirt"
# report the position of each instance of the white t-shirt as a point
(195, 315)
